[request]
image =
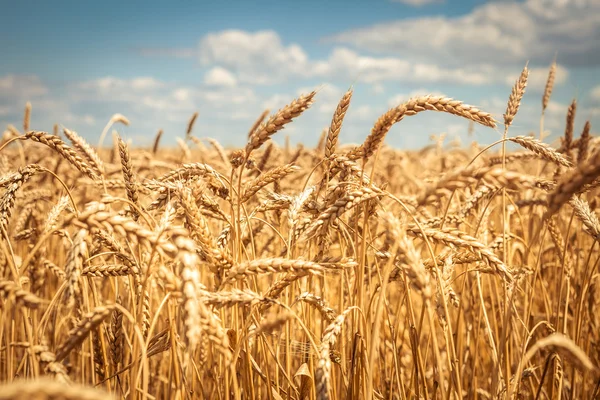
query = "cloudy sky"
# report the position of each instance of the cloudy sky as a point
(80, 62)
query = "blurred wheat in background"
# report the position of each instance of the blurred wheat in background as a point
(268, 272)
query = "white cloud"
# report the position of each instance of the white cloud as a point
(219, 76)
(595, 93)
(236, 57)
(257, 58)
(261, 58)
(16, 90)
(377, 88)
(364, 112)
(347, 63)
(22, 86)
(109, 87)
(85, 119)
(417, 3)
(497, 32)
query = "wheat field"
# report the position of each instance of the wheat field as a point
(269, 272)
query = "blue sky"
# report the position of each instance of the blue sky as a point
(80, 62)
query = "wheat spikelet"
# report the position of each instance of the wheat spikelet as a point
(512, 158)
(542, 149)
(412, 107)
(220, 151)
(106, 270)
(229, 298)
(52, 218)
(336, 123)
(455, 237)
(252, 187)
(22, 297)
(589, 218)
(51, 367)
(278, 121)
(340, 206)
(73, 268)
(549, 86)
(323, 371)
(77, 335)
(514, 101)
(190, 280)
(328, 313)
(190, 125)
(57, 144)
(568, 141)
(116, 338)
(572, 182)
(157, 141)
(54, 268)
(128, 176)
(584, 143)
(185, 149)
(13, 183)
(269, 265)
(84, 148)
(565, 347)
(188, 170)
(27, 117)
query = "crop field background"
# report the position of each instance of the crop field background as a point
(218, 262)
(270, 272)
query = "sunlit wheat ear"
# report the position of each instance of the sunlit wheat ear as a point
(584, 143)
(566, 348)
(572, 182)
(327, 313)
(9, 290)
(542, 149)
(278, 121)
(73, 268)
(409, 260)
(116, 337)
(190, 280)
(336, 123)
(452, 236)
(514, 101)
(412, 107)
(570, 124)
(77, 335)
(88, 152)
(589, 218)
(27, 117)
(128, 176)
(190, 125)
(116, 118)
(549, 86)
(157, 141)
(339, 207)
(58, 145)
(53, 215)
(323, 371)
(220, 151)
(270, 265)
(265, 179)
(13, 183)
